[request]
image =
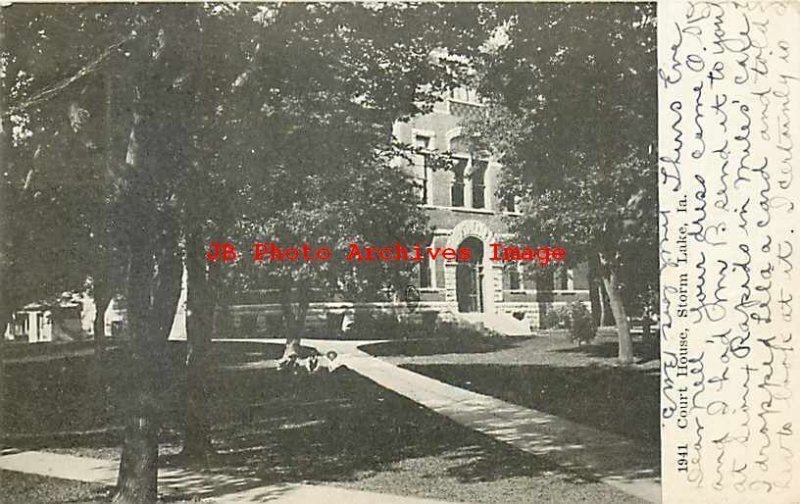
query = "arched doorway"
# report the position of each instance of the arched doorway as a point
(469, 278)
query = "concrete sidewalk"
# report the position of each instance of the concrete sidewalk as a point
(209, 487)
(612, 459)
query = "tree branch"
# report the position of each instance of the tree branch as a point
(47, 93)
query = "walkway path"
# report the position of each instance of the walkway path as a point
(211, 487)
(612, 459)
(615, 460)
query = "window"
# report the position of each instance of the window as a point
(471, 167)
(424, 142)
(561, 278)
(457, 190)
(509, 203)
(478, 184)
(464, 94)
(511, 276)
(424, 274)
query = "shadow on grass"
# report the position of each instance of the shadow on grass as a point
(470, 343)
(624, 401)
(71, 401)
(16, 488)
(271, 428)
(484, 467)
(644, 351)
(340, 426)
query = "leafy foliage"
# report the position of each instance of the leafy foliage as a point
(573, 111)
(582, 328)
(575, 317)
(271, 120)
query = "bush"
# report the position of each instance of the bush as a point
(369, 325)
(581, 326)
(556, 318)
(575, 317)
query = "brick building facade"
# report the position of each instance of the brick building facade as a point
(464, 211)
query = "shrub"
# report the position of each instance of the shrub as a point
(581, 326)
(556, 318)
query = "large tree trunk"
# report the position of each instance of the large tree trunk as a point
(98, 376)
(294, 304)
(154, 286)
(102, 298)
(199, 323)
(544, 294)
(613, 288)
(153, 292)
(595, 294)
(137, 481)
(608, 319)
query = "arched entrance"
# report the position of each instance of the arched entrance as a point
(469, 278)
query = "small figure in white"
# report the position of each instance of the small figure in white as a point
(311, 364)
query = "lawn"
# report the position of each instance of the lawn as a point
(18, 488)
(69, 383)
(335, 429)
(550, 374)
(622, 401)
(456, 343)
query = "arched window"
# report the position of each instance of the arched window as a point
(478, 178)
(424, 144)
(467, 167)
(457, 189)
(460, 149)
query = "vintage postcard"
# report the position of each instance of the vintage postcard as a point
(399, 252)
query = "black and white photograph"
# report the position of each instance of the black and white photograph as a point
(375, 252)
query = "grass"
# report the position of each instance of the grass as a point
(23, 349)
(70, 383)
(551, 374)
(18, 488)
(335, 429)
(644, 351)
(618, 400)
(387, 327)
(456, 343)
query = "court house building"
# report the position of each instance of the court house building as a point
(464, 212)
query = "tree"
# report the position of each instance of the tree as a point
(324, 132)
(145, 148)
(186, 129)
(573, 115)
(366, 202)
(51, 186)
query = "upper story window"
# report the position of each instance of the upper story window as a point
(457, 189)
(510, 203)
(425, 143)
(478, 178)
(464, 94)
(469, 176)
